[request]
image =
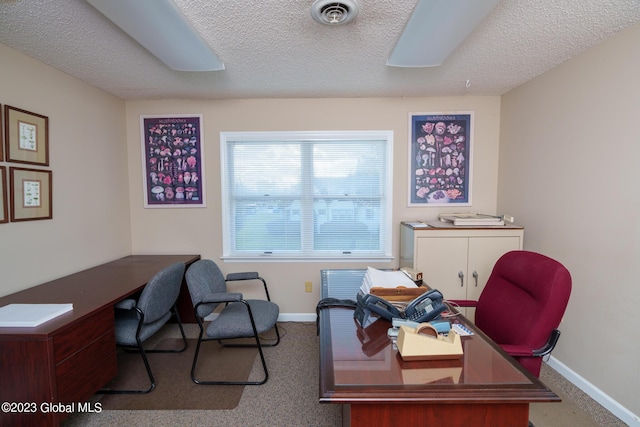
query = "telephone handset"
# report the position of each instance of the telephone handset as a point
(380, 306)
(426, 307)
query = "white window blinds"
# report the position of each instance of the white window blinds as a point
(306, 194)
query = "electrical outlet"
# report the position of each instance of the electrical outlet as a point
(308, 286)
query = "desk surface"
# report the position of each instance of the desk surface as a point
(90, 290)
(362, 365)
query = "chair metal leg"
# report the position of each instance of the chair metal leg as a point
(147, 366)
(143, 353)
(258, 344)
(209, 382)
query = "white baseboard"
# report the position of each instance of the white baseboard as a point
(595, 393)
(297, 317)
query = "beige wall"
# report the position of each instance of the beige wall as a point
(569, 150)
(198, 230)
(88, 158)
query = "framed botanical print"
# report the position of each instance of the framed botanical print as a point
(440, 159)
(26, 136)
(4, 212)
(30, 194)
(1, 137)
(172, 161)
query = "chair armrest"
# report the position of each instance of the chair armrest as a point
(221, 297)
(126, 304)
(520, 350)
(517, 350)
(463, 303)
(550, 344)
(247, 275)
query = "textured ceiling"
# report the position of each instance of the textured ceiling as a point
(273, 48)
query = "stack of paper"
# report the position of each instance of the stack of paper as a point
(30, 315)
(472, 219)
(385, 279)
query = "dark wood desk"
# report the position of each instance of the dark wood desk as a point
(361, 369)
(67, 359)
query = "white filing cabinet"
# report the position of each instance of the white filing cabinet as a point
(456, 260)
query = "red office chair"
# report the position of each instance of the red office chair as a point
(522, 305)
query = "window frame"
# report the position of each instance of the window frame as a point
(383, 254)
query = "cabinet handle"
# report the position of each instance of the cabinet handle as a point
(475, 276)
(461, 276)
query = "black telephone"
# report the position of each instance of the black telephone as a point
(424, 308)
(380, 306)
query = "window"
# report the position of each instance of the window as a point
(306, 195)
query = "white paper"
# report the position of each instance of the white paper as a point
(30, 315)
(385, 279)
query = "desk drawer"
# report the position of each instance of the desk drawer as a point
(81, 334)
(81, 375)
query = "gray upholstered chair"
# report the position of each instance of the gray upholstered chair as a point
(239, 318)
(135, 322)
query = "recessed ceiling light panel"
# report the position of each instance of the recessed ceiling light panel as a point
(161, 28)
(435, 29)
(331, 12)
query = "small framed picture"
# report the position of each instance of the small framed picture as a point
(4, 212)
(31, 194)
(26, 136)
(1, 137)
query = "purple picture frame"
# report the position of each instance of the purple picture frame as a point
(173, 173)
(440, 159)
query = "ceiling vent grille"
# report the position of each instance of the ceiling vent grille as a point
(334, 12)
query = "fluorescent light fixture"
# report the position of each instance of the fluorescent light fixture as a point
(435, 28)
(161, 28)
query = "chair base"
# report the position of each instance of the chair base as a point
(258, 344)
(143, 353)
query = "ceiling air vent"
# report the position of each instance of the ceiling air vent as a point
(334, 12)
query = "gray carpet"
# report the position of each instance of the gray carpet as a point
(290, 397)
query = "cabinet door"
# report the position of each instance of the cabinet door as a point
(441, 259)
(483, 254)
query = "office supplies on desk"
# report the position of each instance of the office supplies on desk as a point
(390, 285)
(424, 343)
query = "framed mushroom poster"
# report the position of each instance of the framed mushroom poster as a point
(440, 159)
(172, 161)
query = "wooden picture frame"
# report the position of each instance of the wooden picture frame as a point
(26, 136)
(1, 137)
(31, 194)
(4, 211)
